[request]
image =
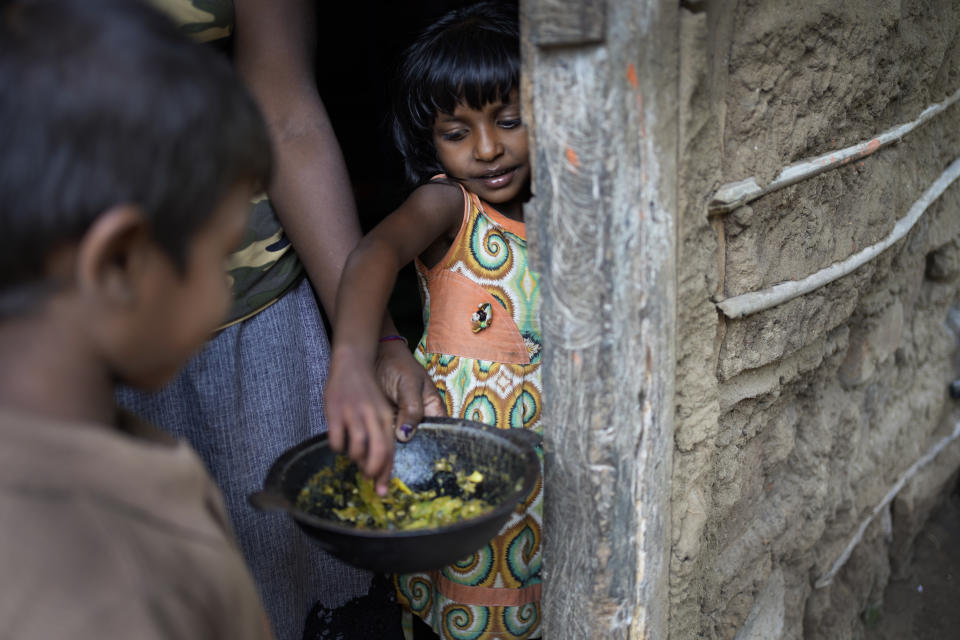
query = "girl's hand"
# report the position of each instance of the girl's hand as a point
(360, 418)
(405, 382)
(355, 404)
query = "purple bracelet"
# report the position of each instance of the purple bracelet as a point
(394, 337)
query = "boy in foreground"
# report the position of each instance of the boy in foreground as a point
(128, 157)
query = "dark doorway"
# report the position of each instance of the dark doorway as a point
(358, 49)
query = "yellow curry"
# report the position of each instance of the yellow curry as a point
(349, 496)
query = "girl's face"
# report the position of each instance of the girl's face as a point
(486, 150)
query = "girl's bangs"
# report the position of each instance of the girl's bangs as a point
(473, 77)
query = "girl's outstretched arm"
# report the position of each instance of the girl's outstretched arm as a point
(358, 415)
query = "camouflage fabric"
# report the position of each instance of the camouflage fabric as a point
(265, 266)
(202, 20)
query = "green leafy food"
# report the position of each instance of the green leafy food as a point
(345, 494)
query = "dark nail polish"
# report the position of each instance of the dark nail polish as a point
(406, 430)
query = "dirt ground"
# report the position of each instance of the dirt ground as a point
(926, 605)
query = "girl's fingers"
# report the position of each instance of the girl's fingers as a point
(370, 442)
(409, 408)
(335, 430)
(417, 397)
(380, 450)
(383, 481)
(357, 437)
(361, 420)
(357, 445)
(404, 429)
(432, 402)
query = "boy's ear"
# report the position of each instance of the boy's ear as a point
(112, 253)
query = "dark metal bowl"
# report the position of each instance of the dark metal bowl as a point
(506, 457)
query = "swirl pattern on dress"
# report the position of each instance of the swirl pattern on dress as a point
(463, 622)
(490, 253)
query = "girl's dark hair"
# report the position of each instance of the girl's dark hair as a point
(105, 102)
(470, 55)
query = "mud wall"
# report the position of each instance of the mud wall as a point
(814, 434)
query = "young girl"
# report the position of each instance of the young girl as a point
(458, 126)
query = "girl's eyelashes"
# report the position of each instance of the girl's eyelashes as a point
(453, 136)
(460, 134)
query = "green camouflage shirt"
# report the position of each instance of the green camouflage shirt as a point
(265, 266)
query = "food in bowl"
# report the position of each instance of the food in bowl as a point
(343, 493)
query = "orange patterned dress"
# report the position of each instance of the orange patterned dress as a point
(481, 347)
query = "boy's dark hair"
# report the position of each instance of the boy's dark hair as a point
(470, 55)
(105, 102)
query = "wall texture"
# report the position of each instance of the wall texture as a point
(805, 433)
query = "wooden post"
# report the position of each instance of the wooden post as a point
(599, 80)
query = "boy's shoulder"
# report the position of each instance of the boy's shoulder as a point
(115, 530)
(131, 468)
